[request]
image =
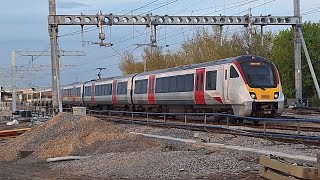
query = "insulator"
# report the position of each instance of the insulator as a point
(102, 36)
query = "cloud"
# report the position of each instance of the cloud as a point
(69, 5)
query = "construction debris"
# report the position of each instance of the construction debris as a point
(66, 158)
(13, 122)
(274, 168)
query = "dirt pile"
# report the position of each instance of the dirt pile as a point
(67, 134)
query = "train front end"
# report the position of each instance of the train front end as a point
(262, 86)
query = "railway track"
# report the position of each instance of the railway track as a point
(209, 126)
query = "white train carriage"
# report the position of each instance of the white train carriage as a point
(110, 93)
(72, 95)
(245, 85)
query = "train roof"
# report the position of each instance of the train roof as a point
(210, 63)
(111, 78)
(178, 68)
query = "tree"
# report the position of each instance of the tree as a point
(205, 46)
(283, 57)
(128, 65)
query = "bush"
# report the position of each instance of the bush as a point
(315, 102)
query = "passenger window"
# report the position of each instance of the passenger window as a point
(211, 79)
(181, 83)
(159, 85)
(189, 83)
(233, 72)
(173, 84)
(122, 88)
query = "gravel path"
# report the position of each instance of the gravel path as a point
(163, 164)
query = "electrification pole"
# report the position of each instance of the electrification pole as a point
(14, 81)
(53, 33)
(297, 52)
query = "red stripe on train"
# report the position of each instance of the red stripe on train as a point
(218, 99)
(92, 93)
(235, 62)
(199, 87)
(114, 92)
(151, 90)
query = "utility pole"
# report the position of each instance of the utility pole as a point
(313, 75)
(297, 52)
(14, 81)
(55, 80)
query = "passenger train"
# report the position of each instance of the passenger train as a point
(244, 86)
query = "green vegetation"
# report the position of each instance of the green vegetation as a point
(283, 57)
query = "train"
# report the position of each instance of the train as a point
(244, 86)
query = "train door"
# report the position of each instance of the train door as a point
(151, 90)
(73, 94)
(114, 92)
(226, 83)
(199, 86)
(82, 94)
(92, 93)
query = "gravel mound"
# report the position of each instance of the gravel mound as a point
(67, 134)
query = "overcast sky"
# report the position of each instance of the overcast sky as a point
(24, 27)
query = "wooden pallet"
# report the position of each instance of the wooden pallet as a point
(276, 169)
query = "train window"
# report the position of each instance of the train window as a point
(189, 82)
(166, 84)
(97, 90)
(159, 85)
(144, 86)
(141, 86)
(211, 80)
(87, 91)
(78, 90)
(122, 88)
(108, 89)
(233, 72)
(181, 83)
(173, 84)
(100, 90)
(200, 83)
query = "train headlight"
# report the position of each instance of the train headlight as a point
(276, 95)
(253, 95)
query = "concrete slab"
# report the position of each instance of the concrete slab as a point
(238, 148)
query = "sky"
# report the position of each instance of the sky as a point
(24, 26)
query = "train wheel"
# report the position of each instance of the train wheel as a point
(240, 120)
